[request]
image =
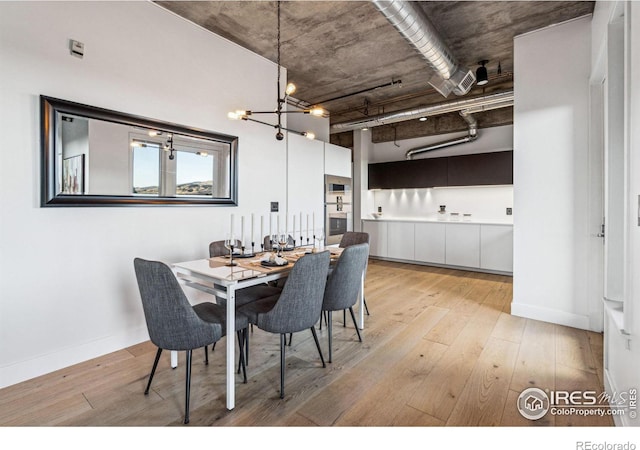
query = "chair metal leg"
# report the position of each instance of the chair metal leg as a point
(241, 340)
(353, 317)
(246, 345)
(290, 338)
(188, 388)
(366, 308)
(153, 370)
(344, 317)
(283, 341)
(206, 355)
(330, 329)
(315, 338)
(213, 347)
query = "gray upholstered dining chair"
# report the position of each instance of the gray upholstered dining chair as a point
(354, 238)
(174, 324)
(217, 248)
(344, 284)
(268, 245)
(297, 307)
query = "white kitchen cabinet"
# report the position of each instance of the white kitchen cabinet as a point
(377, 237)
(496, 247)
(476, 246)
(337, 160)
(463, 245)
(400, 240)
(430, 242)
(305, 180)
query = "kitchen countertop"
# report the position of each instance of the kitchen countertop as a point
(477, 221)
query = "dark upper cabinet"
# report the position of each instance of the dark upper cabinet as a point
(466, 170)
(421, 173)
(480, 169)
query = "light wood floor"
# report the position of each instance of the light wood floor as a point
(440, 348)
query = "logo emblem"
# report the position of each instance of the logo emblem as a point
(533, 403)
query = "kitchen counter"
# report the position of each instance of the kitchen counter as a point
(478, 244)
(477, 221)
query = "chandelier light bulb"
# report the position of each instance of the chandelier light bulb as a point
(290, 89)
(310, 135)
(316, 112)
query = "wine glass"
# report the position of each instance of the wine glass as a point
(229, 244)
(319, 236)
(283, 240)
(274, 243)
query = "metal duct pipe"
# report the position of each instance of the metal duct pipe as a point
(412, 23)
(485, 103)
(471, 136)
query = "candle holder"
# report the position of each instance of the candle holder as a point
(262, 247)
(253, 245)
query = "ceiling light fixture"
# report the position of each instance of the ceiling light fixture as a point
(290, 89)
(422, 119)
(481, 73)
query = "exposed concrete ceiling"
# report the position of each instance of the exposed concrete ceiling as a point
(336, 48)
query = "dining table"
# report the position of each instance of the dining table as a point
(217, 277)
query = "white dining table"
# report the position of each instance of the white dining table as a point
(213, 276)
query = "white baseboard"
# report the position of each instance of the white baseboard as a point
(25, 370)
(551, 315)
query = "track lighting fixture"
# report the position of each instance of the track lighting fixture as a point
(481, 73)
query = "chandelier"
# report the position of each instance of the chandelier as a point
(281, 101)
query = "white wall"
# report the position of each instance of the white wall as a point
(551, 182)
(67, 286)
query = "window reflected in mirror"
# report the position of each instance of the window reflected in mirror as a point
(97, 156)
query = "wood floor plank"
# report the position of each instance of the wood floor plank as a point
(342, 394)
(509, 328)
(484, 396)
(387, 400)
(535, 366)
(439, 393)
(573, 349)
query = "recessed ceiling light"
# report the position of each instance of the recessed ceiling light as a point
(422, 119)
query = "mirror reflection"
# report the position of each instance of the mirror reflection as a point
(96, 156)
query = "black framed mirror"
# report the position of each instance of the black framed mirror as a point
(97, 157)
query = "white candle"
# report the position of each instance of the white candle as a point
(241, 230)
(314, 223)
(294, 227)
(286, 224)
(278, 229)
(270, 225)
(261, 228)
(231, 233)
(307, 226)
(252, 241)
